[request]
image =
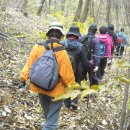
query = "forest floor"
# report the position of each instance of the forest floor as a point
(19, 111)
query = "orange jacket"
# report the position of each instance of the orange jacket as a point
(65, 70)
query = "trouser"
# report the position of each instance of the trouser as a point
(71, 103)
(102, 66)
(92, 76)
(92, 79)
(120, 50)
(51, 112)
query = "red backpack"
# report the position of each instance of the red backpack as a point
(119, 40)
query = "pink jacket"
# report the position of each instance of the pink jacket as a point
(107, 40)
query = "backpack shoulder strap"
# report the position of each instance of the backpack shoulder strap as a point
(44, 44)
(83, 39)
(59, 48)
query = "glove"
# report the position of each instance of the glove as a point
(21, 84)
(109, 62)
(95, 69)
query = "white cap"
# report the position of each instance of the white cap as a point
(56, 25)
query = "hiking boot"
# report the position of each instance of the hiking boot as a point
(74, 106)
(92, 95)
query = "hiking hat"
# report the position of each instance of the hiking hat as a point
(93, 28)
(55, 25)
(111, 27)
(74, 30)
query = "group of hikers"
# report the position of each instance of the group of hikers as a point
(72, 60)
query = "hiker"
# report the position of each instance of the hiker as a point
(77, 54)
(121, 42)
(113, 35)
(92, 50)
(66, 75)
(105, 50)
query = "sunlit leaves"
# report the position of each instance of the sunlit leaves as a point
(74, 94)
(85, 85)
(86, 92)
(82, 90)
(128, 48)
(70, 93)
(74, 86)
(123, 63)
(95, 87)
(129, 104)
(123, 79)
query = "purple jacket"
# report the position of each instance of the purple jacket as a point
(106, 39)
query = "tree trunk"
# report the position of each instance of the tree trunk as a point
(54, 7)
(92, 14)
(98, 12)
(24, 8)
(4, 4)
(108, 12)
(62, 5)
(49, 5)
(78, 12)
(91, 9)
(85, 11)
(127, 10)
(126, 94)
(128, 128)
(117, 14)
(40, 8)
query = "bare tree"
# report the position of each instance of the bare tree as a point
(24, 8)
(91, 9)
(117, 14)
(78, 11)
(98, 11)
(40, 8)
(108, 11)
(127, 10)
(85, 11)
(126, 94)
(4, 4)
(128, 128)
(49, 4)
(62, 5)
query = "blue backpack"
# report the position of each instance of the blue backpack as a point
(44, 72)
(102, 49)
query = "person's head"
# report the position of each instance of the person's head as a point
(103, 30)
(122, 29)
(55, 30)
(73, 33)
(111, 27)
(92, 28)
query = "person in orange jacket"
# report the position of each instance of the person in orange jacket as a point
(51, 108)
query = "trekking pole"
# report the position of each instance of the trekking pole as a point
(90, 78)
(125, 50)
(88, 102)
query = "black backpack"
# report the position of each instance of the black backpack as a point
(87, 42)
(73, 58)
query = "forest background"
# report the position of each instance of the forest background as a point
(23, 23)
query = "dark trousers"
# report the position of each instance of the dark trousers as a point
(120, 50)
(93, 78)
(102, 66)
(88, 72)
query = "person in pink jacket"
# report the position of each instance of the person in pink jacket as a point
(106, 46)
